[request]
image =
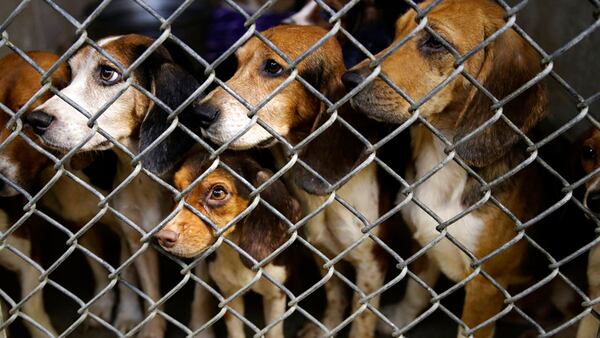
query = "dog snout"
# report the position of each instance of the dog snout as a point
(167, 238)
(353, 79)
(39, 121)
(207, 114)
(593, 201)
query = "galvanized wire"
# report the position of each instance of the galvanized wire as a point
(369, 228)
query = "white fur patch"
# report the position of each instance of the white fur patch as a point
(442, 194)
(303, 16)
(10, 171)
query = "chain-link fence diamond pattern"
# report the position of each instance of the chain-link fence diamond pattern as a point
(137, 215)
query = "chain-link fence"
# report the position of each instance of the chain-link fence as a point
(393, 171)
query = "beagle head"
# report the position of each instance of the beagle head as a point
(20, 163)
(132, 117)
(260, 72)
(590, 160)
(423, 63)
(220, 197)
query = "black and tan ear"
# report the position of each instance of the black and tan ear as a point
(173, 86)
(337, 151)
(509, 64)
(333, 154)
(262, 231)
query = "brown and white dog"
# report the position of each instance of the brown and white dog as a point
(66, 200)
(293, 113)
(502, 67)
(221, 198)
(20, 166)
(590, 161)
(133, 120)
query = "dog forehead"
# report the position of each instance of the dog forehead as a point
(294, 40)
(450, 12)
(123, 48)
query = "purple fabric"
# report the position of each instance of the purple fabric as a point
(227, 26)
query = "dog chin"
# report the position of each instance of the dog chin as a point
(180, 252)
(91, 145)
(240, 143)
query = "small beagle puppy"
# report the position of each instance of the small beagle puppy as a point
(294, 113)
(20, 166)
(456, 111)
(220, 197)
(135, 121)
(590, 160)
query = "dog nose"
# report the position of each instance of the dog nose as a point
(207, 114)
(39, 121)
(167, 238)
(593, 201)
(352, 79)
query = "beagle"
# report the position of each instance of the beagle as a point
(456, 110)
(26, 169)
(590, 325)
(221, 197)
(20, 165)
(293, 113)
(134, 121)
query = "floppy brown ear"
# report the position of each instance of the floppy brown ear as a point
(262, 232)
(335, 152)
(509, 63)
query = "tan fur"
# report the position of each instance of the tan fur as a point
(293, 113)
(254, 234)
(290, 109)
(456, 110)
(194, 234)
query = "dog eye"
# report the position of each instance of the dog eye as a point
(218, 193)
(108, 75)
(431, 44)
(588, 153)
(272, 68)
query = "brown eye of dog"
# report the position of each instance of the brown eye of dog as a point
(431, 44)
(272, 68)
(218, 193)
(588, 153)
(108, 75)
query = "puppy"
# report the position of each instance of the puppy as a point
(128, 126)
(590, 325)
(221, 198)
(456, 111)
(20, 166)
(293, 114)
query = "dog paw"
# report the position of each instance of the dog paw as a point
(310, 330)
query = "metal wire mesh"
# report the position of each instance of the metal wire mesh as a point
(154, 304)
